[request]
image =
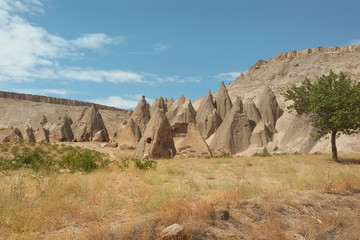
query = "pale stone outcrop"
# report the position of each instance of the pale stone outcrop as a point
(27, 133)
(234, 133)
(89, 125)
(268, 106)
(252, 112)
(192, 145)
(157, 140)
(261, 135)
(14, 137)
(60, 131)
(169, 102)
(41, 135)
(127, 137)
(207, 119)
(181, 111)
(141, 114)
(223, 102)
(160, 104)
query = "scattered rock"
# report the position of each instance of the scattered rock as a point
(171, 231)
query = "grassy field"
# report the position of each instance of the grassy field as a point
(272, 197)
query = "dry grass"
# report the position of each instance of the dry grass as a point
(273, 197)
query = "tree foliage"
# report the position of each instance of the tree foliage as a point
(333, 102)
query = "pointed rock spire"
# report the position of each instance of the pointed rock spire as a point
(268, 106)
(61, 130)
(89, 124)
(141, 114)
(157, 140)
(127, 137)
(207, 120)
(252, 112)
(158, 103)
(181, 111)
(234, 133)
(223, 101)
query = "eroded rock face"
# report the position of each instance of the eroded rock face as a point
(223, 102)
(234, 133)
(157, 140)
(160, 104)
(141, 114)
(193, 144)
(27, 133)
(130, 135)
(90, 124)
(181, 111)
(207, 119)
(261, 135)
(14, 137)
(268, 107)
(60, 131)
(252, 112)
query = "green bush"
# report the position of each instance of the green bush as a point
(144, 165)
(124, 163)
(85, 161)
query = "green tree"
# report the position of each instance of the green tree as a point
(333, 102)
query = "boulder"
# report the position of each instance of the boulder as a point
(234, 133)
(141, 114)
(130, 135)
(223, 102)
(268, 106)
(157, 140)
(172, 231)
(89, 123)
(181, 111)
(192, 145)
(207, 119)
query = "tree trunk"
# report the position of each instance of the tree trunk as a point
(333, 146)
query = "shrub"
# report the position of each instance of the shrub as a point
(85, 161)
(147, 164)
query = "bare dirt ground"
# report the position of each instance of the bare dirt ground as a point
(276, 197)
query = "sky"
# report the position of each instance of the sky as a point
(114, 51)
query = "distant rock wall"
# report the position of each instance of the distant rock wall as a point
(53, 100)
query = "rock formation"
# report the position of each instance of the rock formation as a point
(42, 135)
(158, 103)
(234, 133)
(89, 125)
(268, 107)
(223, 102)
(27, 133)
(207, 119)
(60, 131)
(252, 112)
(127, 137)
(261, 135)
(141, 114)
(157, 140)
(192, 145)
(181, 111)
(14, 137)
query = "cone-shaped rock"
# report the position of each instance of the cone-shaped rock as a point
(89, 125)
(207, 120)
(157, 140)
(268, 107)
(234, 133)
(158, 103)
(141, 114)
(60, 131)
(169, 102)
(251, 110)
(181, 111)
(42, 135)
(127, 137)
(261, 135)
(223, 102)
(193, 145)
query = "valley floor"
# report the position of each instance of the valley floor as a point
(267, 197)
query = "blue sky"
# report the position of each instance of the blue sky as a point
(112, 52)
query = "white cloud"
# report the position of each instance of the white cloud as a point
(355, 42)
(21, 6)
(126, 102)
(229, 76)
(161, 47)
(95, 40)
